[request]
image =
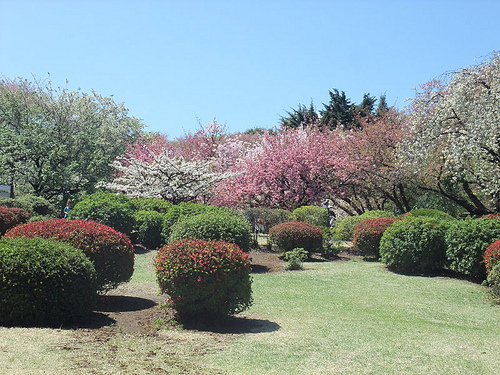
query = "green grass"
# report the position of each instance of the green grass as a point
(331, 318)
(358, 318)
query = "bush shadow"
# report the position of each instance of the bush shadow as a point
(114, 304)
(233, 325)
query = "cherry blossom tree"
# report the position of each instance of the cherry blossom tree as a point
(454, 147)
(161, 175)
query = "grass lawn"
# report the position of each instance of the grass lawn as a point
(332, 318)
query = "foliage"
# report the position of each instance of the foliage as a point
(214, 225)
(493, 281)
(453, 149)
(184, 209)
(492, 216)
(33, 204)
(57, 143)
(114, 210)
(292, 234)
(204, 278)
(110, 251)
(265, 218)
(294, 258)
(165, 176)
(368, 233)
(287, 170)
(44, 282)
(429, 212)
(152, 204)
(414, 245)
(492, 256)
(10, 217)
(344, 229)
(466, 243)
(149, 225)
(314, 215)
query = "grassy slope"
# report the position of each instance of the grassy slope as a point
(334, 318)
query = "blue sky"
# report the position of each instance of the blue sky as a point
(243, 62)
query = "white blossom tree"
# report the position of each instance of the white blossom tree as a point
(162, 175)
(454, 148)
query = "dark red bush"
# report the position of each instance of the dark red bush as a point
(12, 216)
(111, 251)
(367, 235)
(492, 256)
(491, 216)
(287, 236)
(204, 278)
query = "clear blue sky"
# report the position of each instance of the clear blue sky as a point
(243, 62)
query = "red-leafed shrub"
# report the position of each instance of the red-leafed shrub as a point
(111, 252)
(204, 278)
(491, 216)
(492, 256)
(367, 235)
(288, 236)
(12, 216)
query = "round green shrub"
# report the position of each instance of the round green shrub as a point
(314, 215)
(152, 204)
(466, 243)
(368, 233)
(204, 278)
(414, 245)
(149, 225)
(429, 212)
(492, 256)
(344, 230)
(287, 236)
(113, 210)
(30, 203)
(110, 251)
(44, 283)
(493, 281)
(214, 225)
(186, 209)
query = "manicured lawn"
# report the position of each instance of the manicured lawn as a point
(332, 318)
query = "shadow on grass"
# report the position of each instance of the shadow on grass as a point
(233, 325)
(123, 303)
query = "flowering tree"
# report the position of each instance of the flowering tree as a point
(454, 148)
(164, 176)
(293, 168)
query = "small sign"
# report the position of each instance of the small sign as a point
(5, 191)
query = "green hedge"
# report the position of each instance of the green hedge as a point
(214, 225)
(44, 283)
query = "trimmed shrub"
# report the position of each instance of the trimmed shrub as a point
(491, 216)
(214, 225)
(466, 243)
(414, 245)
(428, 212)
(110, 251)
(30, 203)
(148, 226)
(152, 204)
(186, 209)
(344, 230)
(266, 218)
(367, 235)
(113, 210)
(204, 278)
(44, 283)
(287, 236)
(10, 217)
(314, 215)
(493, 281)
(492, 256)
